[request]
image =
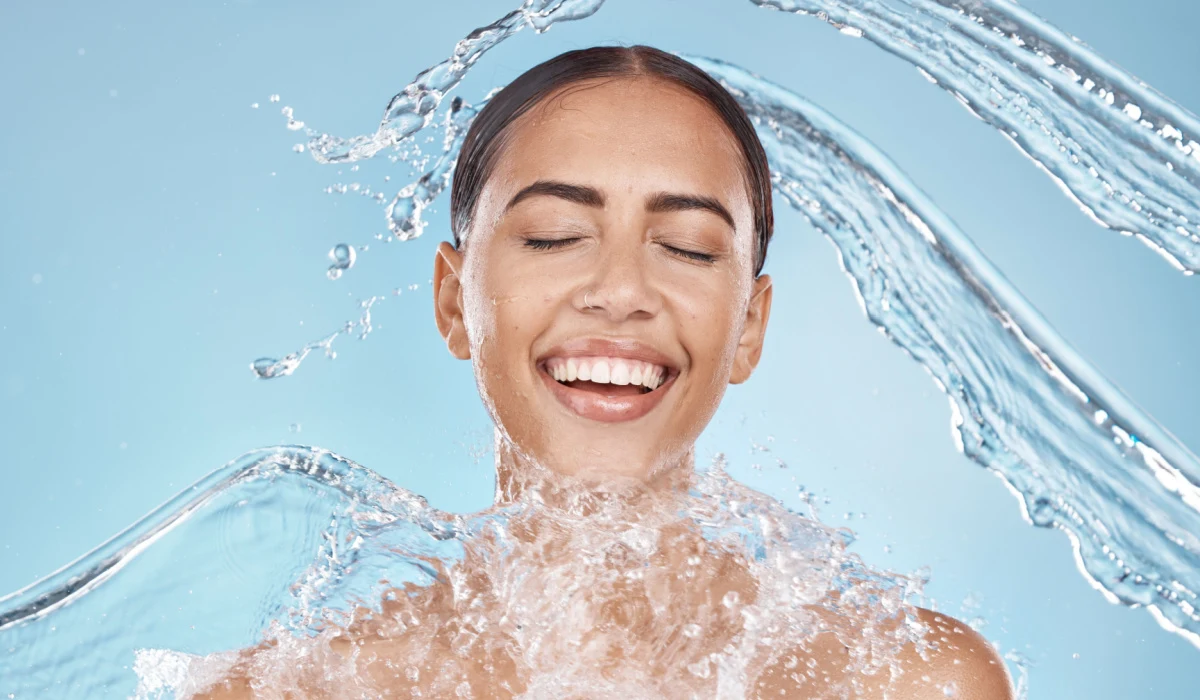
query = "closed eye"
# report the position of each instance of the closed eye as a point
(690, 254)
(549, 243)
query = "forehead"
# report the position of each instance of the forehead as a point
(625, 136)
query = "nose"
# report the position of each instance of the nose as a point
(621, 287)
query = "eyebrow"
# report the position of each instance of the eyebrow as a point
(658, 202)
(579, 194)
(667, 201)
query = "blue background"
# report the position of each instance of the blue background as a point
(159, 234)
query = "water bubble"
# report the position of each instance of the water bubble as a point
(342, 257)
(294, 428)
(253, 105)
(298, 148)
(273, 98)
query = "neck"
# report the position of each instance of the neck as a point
(521, 478)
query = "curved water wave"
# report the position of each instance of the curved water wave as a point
(1078, 453)
(260, 541)
(1128, 155)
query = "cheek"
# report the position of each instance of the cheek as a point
(710, 326)
(500, 326)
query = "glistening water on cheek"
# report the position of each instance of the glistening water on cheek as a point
(347, 585)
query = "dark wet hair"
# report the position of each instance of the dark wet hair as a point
(485, 138)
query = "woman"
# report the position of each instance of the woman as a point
(612, 210)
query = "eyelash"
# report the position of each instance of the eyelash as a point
(690, 254)
(548, 243)
(553, 243)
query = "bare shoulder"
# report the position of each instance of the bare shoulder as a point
(959, 661)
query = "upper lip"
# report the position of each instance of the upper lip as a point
(625, 348)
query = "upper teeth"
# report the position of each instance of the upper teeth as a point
(606, 370)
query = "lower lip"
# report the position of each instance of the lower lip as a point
(606, 409)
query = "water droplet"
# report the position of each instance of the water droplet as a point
(269, 368)
(253, 105)
(342, 257)
(273, 98)
(294, 428)
(298, 148)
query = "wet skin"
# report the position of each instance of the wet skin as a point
(617, 225)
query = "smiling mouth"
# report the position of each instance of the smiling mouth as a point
(607, 376)
(606, 389)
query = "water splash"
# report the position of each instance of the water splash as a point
(413, 108)
(1080, 456)
(271, 368)
(1125, 153)
(317, 547)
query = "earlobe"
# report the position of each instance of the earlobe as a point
(447, 300)
(754, 331)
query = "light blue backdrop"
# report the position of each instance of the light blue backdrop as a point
(159, 234)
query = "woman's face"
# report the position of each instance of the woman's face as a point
(605, 291)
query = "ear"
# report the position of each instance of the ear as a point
(447, 300)
(750, 345)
